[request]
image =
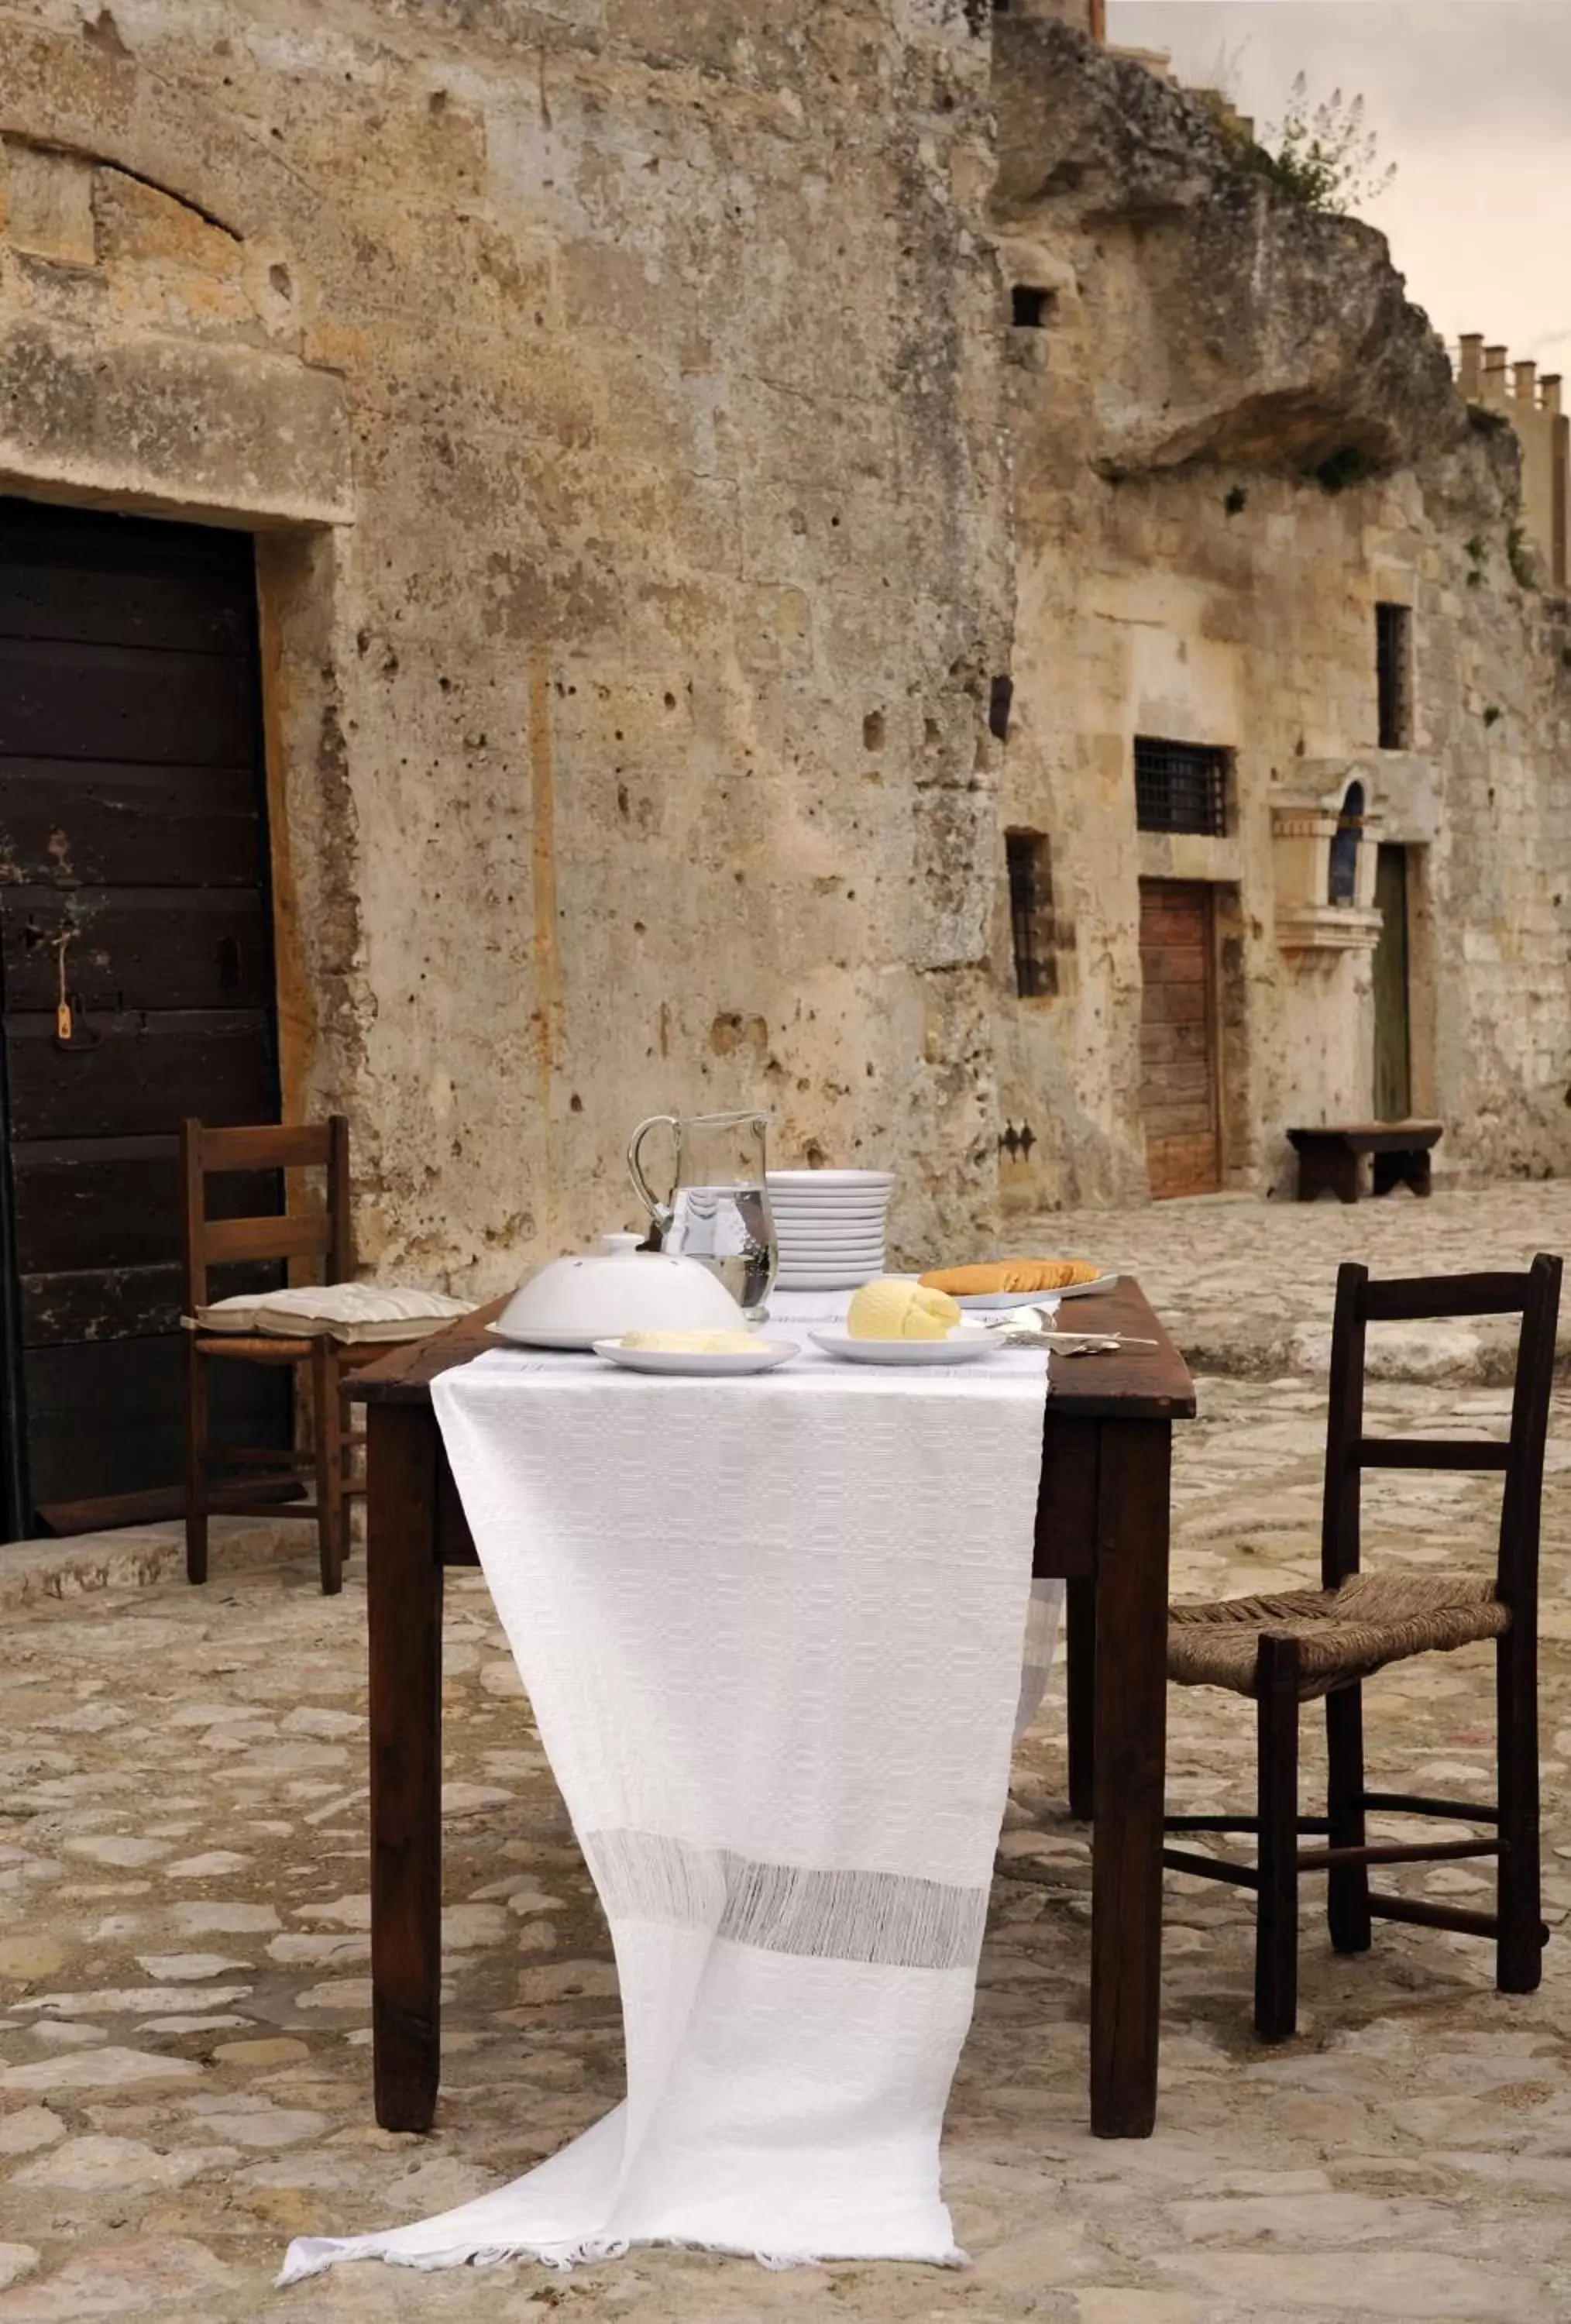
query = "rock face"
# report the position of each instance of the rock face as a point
(1235, 441)
(1269, 335)
(615, 389)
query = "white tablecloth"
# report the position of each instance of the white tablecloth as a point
(772, 1629)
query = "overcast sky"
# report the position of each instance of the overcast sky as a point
(1470, 98)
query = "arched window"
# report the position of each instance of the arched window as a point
(1343, 881)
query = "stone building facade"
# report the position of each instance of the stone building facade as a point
(732, 488)
(1284, 777)
(611, 389)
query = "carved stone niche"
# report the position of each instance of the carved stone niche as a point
(1326, 832)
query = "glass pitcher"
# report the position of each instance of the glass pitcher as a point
(718, 1210)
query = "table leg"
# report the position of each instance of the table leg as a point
(1080, 1673)
(405, 1594)
(1130, 1743)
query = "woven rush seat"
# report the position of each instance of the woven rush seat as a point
(1344, 1634)
(254, 1349)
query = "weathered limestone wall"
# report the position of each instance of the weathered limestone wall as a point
(614, 382)
(1232, 438)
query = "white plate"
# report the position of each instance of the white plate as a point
(816, 1274)
(803, 1246)
(819, 1190)
(832, 1262)
(837, 1199)
(807, 1222)
(829, 1248)
(810, 1221)
(824, 1278)
(561, 1342)
(581, 1343)
(843, 1230)
(721, 1364)
(812, 1238)
(960, 1347)
(790, 1181)
(830, 1215)
(984, 1303)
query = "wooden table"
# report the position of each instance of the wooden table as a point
(1101, 1524)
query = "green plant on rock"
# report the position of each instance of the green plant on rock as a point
(1493, 715)
(1324, 155)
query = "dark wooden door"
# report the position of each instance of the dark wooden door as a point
(1393, 1079)
(133, 886)
(1177, 1037)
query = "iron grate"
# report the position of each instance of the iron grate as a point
(1393, 664)
(1030, 913)
(1180, 787)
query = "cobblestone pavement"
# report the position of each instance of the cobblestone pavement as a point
(1247, 1286)
(184, 2059)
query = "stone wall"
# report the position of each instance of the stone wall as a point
(613, 385)
(1233, 438)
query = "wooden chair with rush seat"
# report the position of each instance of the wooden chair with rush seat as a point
(324, 1235)
(1295, 1646)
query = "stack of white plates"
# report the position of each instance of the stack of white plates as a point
(830, 1224)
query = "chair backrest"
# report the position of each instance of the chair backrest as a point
(325, 1234)
(1535, 1296)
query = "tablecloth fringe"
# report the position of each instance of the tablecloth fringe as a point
(314, 2254)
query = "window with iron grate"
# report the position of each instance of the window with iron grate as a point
(1180, 787)
(1393, 646)
(1030, 913)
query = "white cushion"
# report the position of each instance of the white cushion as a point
(236, 1314)
(339, 1311)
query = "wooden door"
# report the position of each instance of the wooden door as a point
(1177, 1037)
(133, 881)
(1394, 1080)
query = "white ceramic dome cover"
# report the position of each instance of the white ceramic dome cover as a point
(602, 1295)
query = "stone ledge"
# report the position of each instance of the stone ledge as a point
(132, 1556)
(175, 426)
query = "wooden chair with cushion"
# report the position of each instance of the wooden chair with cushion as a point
(1295, 1646)
(324, 1235)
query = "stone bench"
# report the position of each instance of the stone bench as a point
(1331, 1158)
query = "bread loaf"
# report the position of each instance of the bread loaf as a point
(1022, 1276)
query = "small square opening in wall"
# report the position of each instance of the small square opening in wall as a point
(1030, 913)
(1031, 307)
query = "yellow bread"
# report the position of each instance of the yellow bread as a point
(692, 1344)
(891, 1309)
(1012, 1275)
